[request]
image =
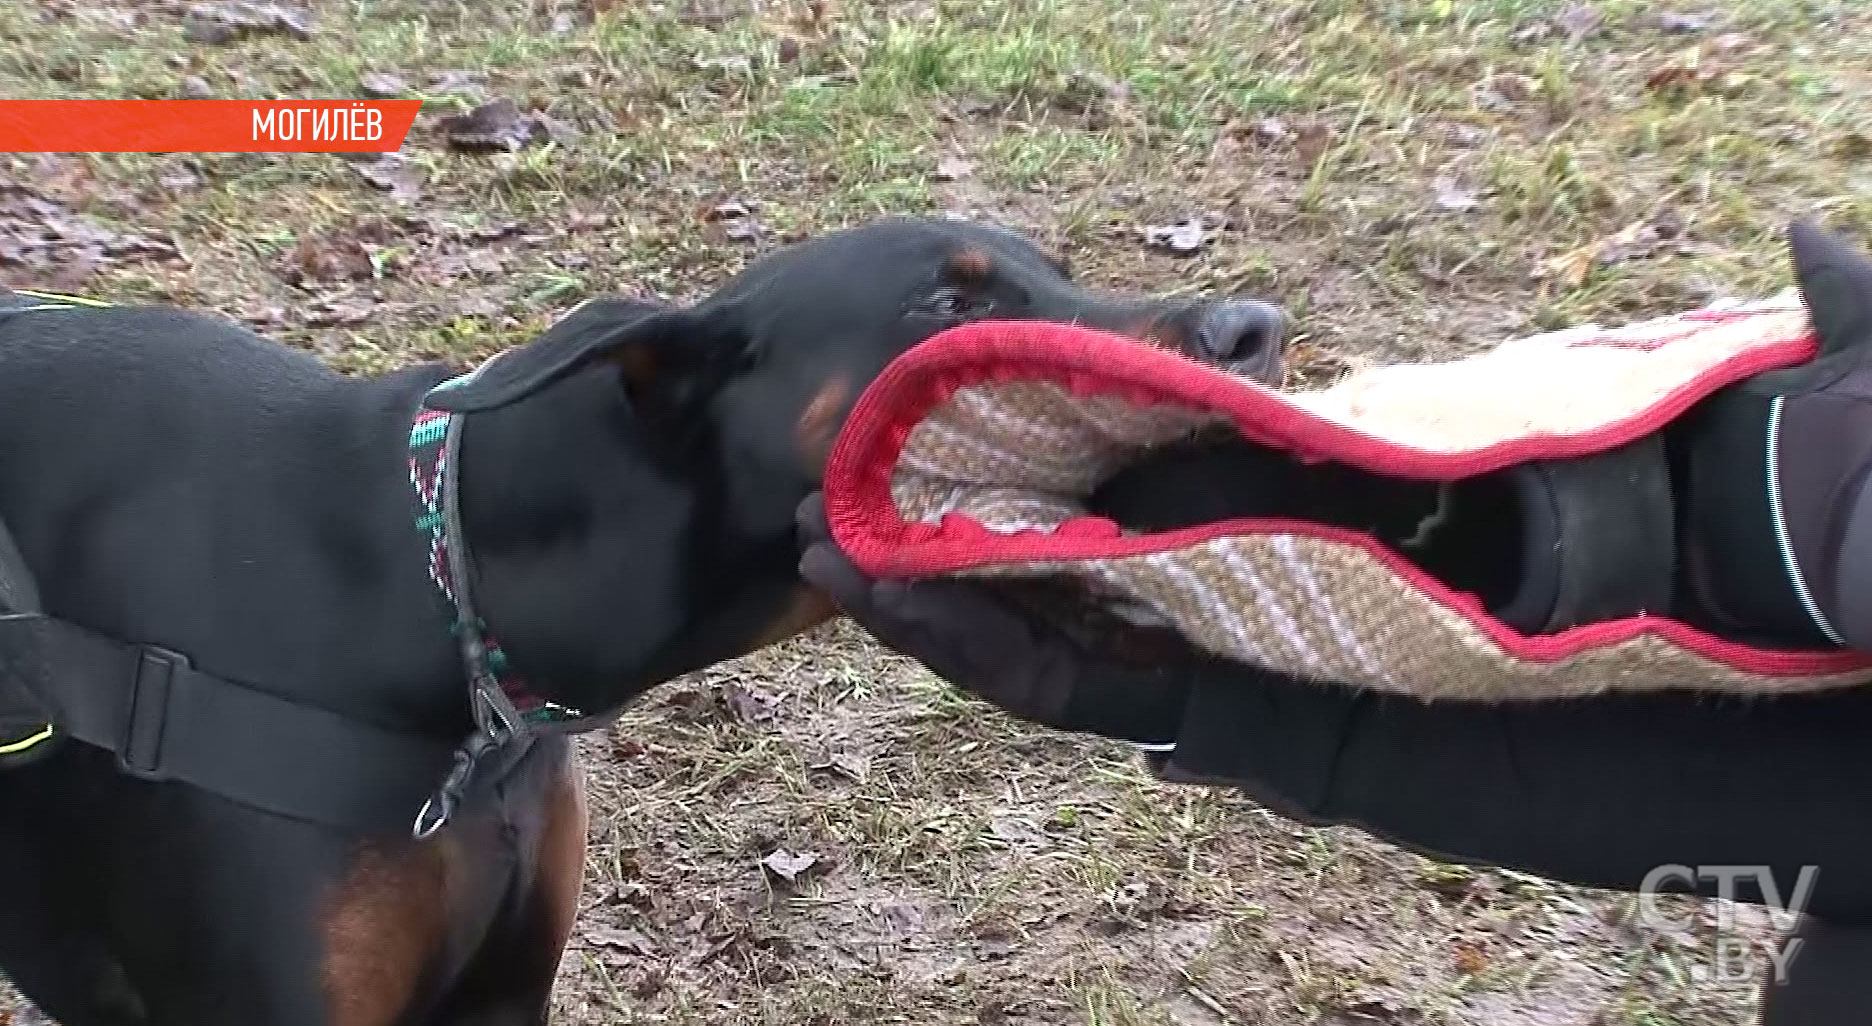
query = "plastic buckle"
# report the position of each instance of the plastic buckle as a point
(140, 753)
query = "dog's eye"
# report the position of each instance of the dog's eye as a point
(950, 303)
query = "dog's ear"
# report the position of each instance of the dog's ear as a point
(665, 356)
(1835, 280)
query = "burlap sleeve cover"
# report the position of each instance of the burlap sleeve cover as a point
(972, 453)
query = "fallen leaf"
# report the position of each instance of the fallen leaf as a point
(709, 13)
(902, 919)
(381, 86)
(1098, 98)
(1569, 269)
(496, 125)
(1533, 33)
(179, 179)
(1668, 222)
(44, 244)
(1850, 145)
(1271, 130)
(72, 275)
(1638, 239)
(1510, 86)
(219, 23)
(1312, 139)
(494, 232)
(66, 181)
(455, 82)
(1687, 71)
(789, 866)
(750, 704)
(1492, 101)
(994, 944)
(1448, 195)
(1579, 21)
(649, 984)
(1447, 878)
(1009, 829)
(394, 174)
(1469, 959)
(629, 941)
(337, 257)
(1183, 238)
(1139, 899)
(1663, 231)
(849, 764)
(1681, 23)
(744, 230)
(337, 312)
(691, 706)
(634, 894)
(1373, 1009)
(951, 169)
(734, 221)
(1464, 135)
(818, 15)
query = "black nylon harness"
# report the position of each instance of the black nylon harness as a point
(166, 720)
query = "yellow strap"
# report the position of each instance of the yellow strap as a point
(57, 297)
(15, 747)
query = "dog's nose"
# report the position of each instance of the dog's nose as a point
(1245, 335)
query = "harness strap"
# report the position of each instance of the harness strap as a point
(166, 720)
(19, 593)
(25, 726)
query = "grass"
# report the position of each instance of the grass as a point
(973, 870)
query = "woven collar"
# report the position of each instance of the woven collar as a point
(431, 470)
(507, 712)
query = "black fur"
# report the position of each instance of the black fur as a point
(628, 484)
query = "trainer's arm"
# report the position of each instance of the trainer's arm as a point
(1598, 791)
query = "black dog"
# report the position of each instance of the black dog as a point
(626, 488)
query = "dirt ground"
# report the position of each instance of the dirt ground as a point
(1409, 178)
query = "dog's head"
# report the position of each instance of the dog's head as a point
(770, 363)
(744, 392)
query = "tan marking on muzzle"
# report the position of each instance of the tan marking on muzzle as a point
(818, 424)
(1153, 332)
(807, 607)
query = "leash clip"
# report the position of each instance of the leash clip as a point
(440, 807)
(497, 725)
(495, 714)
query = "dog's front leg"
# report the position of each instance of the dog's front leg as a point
(509, 980)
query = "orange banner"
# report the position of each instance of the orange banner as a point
(205, 126)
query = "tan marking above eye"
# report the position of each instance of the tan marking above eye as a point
(971, 266)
